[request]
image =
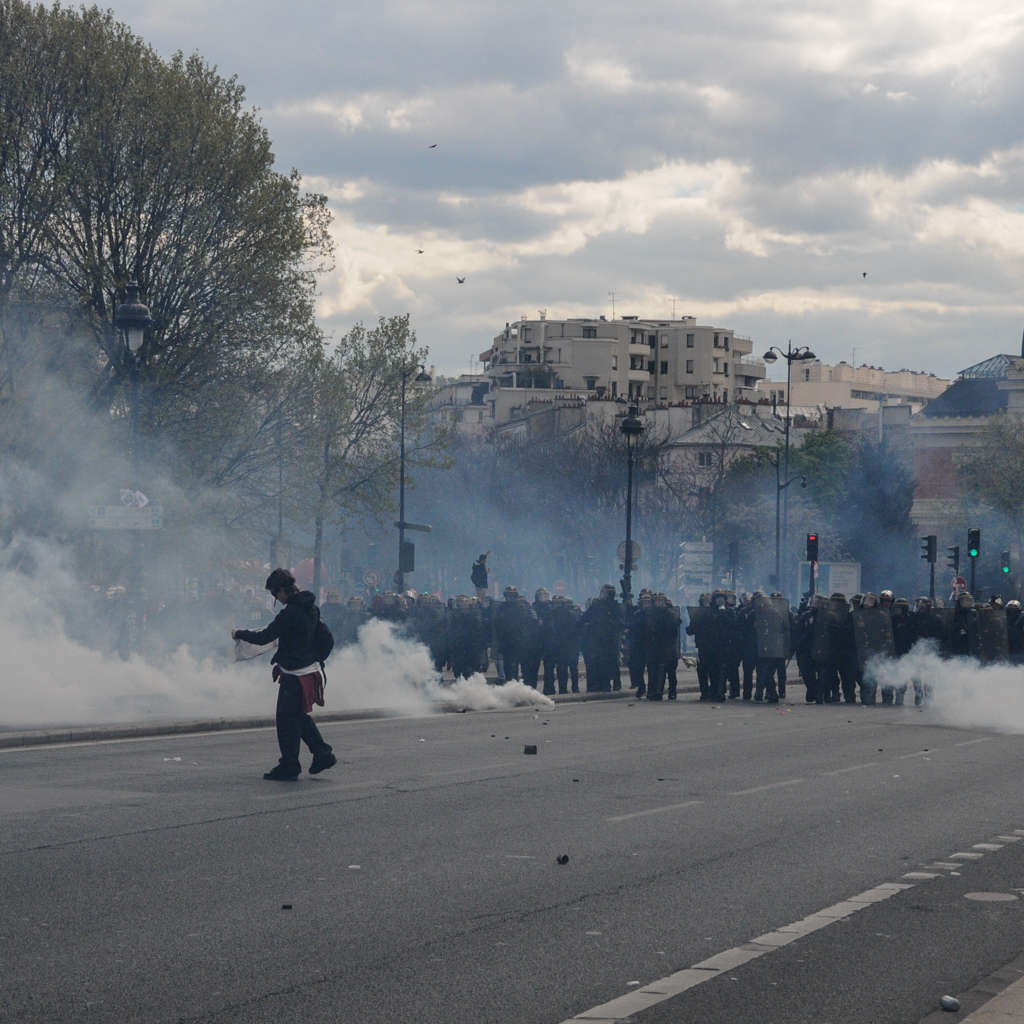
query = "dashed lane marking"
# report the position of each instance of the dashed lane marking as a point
(665, 988)
(852, 768)
(762, 789)
(967, 743)
(654, 810)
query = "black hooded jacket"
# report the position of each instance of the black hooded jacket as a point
(293, 630)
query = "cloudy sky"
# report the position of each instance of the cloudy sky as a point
(748, 160)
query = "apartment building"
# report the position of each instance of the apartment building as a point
(658, 361)
(843, 386)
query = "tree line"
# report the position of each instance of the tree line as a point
(117, 165)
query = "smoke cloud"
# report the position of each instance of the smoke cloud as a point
(50, 678)
(963, 692)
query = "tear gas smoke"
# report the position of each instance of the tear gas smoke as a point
(50, 678)
(963, 692)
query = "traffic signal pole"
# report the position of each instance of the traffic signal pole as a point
(931, 586)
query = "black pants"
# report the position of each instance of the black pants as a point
(749, 664)
(655, 680)
(733, 674)
(702, 677)
(637, 664)
(670, 677)
(771, 678)
(294, 725)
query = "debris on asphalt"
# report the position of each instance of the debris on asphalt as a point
(628, 983)
(949, 1003)
(530, 748)
(354, 867)
(172, 758)
(423, 741)
(562, 858)
(286, 906)
(575, 780)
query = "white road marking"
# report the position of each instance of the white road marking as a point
(917, 753)
(967, 856)
(967, 743)
(987, 846)
(655, 810)
(852, 768)
(919, 874)
(665, 988)
(761, 789)
(990, 897)
(1009, 839)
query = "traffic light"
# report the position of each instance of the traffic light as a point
(929, 547)
(954, 558)
(974, 543)
(812, 547)
(1004, 561)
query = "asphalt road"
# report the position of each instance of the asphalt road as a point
(423, 884)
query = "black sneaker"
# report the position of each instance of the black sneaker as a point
(321, 762)
(279, 774)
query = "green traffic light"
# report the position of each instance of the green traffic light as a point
(1006, 568)
(973, 552)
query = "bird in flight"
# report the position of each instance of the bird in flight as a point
(864, 273)
(432, 146)
(461, 280)
(420, 252)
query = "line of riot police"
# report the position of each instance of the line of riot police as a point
(540, 642)
(833, 640)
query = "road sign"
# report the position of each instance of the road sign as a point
(117, 517)
(560, 588)
(371, 577)
(636, 551)
(419, 527)
(358, 588)
(959, 583)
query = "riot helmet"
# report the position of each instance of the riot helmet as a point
(885, 597)
(869, 601)
(543, 595)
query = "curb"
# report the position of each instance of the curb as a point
(98, 733)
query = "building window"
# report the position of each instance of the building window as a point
(691, 392)
(807, 374)
(528, 333)
(717, 369)
(652, 340)
(725, 369)
(559, 355)
(589, 332)
(664, 366)
(704, 459)
(650, 392)
(480, 415)
(615, 362)
(716, 341)
(689, 367)
(689, 341)
(725, 394)
(650, 366)
(664, 341)
(725, 342)
(590, 382)
(527, 358)
(664, 393)
(615, 388)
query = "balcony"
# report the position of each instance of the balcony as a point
(640, 350)
(641, 376)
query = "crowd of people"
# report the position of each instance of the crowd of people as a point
(744, 644)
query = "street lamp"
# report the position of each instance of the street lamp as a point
(132, 319)
(779, 488)
(421, 378)
(791, 355)
(632, 428)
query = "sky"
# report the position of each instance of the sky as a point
(848, 175)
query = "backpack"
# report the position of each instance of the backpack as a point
(323, 641)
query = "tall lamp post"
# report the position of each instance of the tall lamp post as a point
(421, 378)
(791, 355)
(132, 319)
(632, 428)
(779, 488)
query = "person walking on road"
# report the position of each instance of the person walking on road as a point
(297, 669)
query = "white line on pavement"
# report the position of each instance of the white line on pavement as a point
(655, 810)
(761, 789)
(967, 743)
(665, 988)
(852, 768)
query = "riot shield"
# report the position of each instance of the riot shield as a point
(702, 622)
(872, 628)
(826, 621)
(988, 635)
(771, 624)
